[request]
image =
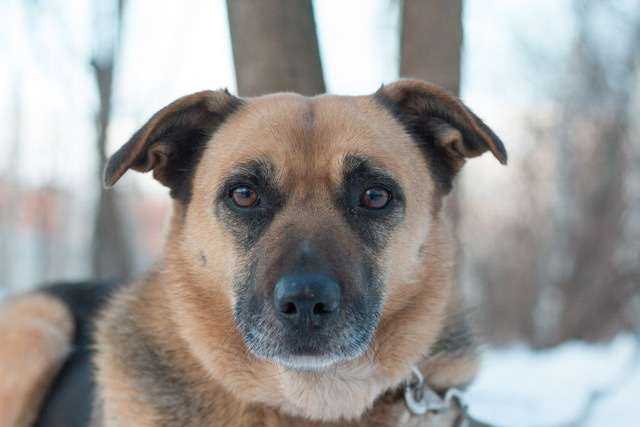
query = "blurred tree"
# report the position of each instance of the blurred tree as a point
(431, 49)
(572, 268)
(111, 254)
(597, 278)
(431, 41)
(275, 47)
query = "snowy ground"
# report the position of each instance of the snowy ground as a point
(521, 388)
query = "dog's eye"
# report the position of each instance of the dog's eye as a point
(375, 198)
(244, 197)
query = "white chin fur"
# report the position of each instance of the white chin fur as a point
(307, 363)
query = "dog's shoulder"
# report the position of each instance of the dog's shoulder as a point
(144, 367)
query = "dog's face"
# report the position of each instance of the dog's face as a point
(307, 220)
(305, 194)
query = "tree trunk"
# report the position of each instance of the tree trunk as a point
(275, 47)
(111, 253)
(596, 285)
(430, 49)
(431, 41)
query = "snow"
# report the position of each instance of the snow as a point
(518, 387)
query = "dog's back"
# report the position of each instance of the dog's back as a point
(68, 401)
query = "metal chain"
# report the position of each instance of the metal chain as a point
(422, 399)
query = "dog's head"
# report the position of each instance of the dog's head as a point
(309, 223)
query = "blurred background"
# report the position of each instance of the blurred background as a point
(550, 253)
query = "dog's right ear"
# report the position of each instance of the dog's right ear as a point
(171, 142)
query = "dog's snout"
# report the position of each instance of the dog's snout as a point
(309, 298)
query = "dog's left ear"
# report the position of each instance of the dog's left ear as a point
(445, 128)
(171, 141)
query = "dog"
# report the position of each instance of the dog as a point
(308, 266)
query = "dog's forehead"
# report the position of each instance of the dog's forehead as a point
(310, 136)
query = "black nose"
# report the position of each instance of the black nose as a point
(308, 297)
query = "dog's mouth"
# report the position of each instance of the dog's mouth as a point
(308, 344)
(312, 352)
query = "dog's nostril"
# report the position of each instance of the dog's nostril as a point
(319, 308)
(322, 308)
(289, 308)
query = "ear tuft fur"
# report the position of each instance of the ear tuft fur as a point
(172, 141)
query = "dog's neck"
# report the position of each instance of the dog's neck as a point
(162, 353)
(357, 392)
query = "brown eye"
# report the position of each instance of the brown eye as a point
(375, 198)
(244, 197)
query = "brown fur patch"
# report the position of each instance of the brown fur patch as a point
(36, 332)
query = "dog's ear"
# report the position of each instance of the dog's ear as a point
(171, 142)
(446, 130)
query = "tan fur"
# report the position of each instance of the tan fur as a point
(36, 332)
(186, 307)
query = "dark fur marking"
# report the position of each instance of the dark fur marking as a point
(456, 338)
(182, 165)
(422, 249)
(186, 134)
(373, 226)
(309, 118)
(69, 399)
(419, 113)
(175, 395)
(203, 259)
(440, 163)
(248, 224)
